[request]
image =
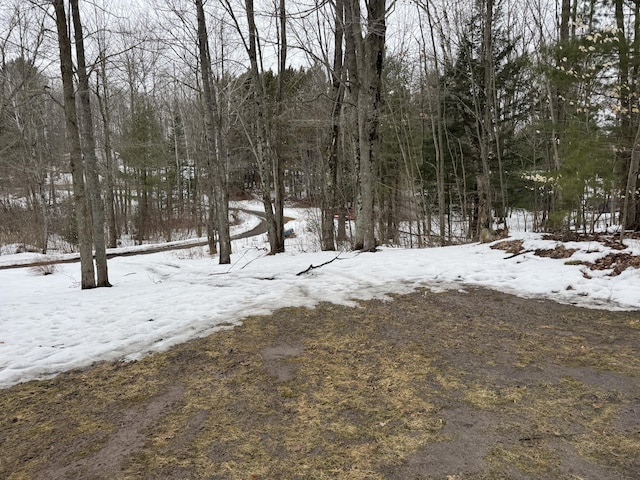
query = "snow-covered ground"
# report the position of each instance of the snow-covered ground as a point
(49, 325)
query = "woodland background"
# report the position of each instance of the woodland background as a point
(410, 123)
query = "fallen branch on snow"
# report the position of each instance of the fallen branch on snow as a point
(312, 267)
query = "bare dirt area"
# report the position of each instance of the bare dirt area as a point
(453, 385)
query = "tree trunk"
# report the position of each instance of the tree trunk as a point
(88, 145)
(367, 138)
(103, 105)
(631, 210)
(217, 168)
(278, 168)
(82, 211)
(631, 207)
(369, 60)
(44, 210)
(330, 170)
(263, 150)
(485, 222)
(437, 124)
(634, 63)
(352, 54)
(565, 17)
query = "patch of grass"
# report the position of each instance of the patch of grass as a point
(42, 420)
(44, 269)
(353, 405)
(574, 262)
(367, 390)
(487, 398)
(538, 460)
(609, 448)
(194, 253)
(563, 411)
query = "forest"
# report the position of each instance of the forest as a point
(411, 123)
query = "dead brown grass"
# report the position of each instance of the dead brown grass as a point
(560, 251)
(539, 389)
(509, 246)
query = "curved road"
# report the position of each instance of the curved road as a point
(260, 229)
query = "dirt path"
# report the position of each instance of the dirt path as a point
(473, 385)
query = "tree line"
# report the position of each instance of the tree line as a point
(415, 123)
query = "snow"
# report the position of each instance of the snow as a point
(49, 325)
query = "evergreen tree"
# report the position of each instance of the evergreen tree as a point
(143, 151)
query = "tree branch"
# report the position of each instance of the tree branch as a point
(313, 267)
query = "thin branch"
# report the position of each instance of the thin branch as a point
(313, 267)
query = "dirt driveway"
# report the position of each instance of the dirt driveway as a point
(453, 385)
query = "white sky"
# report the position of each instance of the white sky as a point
(48, 325)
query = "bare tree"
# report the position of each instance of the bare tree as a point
(365, 59)
(82, 209)
(88, 145)
(437, 117)
(485, 127)
(278, 167)
(262, 135)
(27, 156)
(104, 105)
(217, 168)
(330, 167)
